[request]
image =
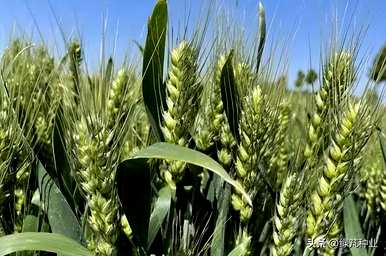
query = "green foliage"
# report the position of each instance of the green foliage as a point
(311, 76)
(134, 192)
(300, 79)
(229, 95)
(48, 242)
(377, 72)
(57, 209)
(153, 87)
(352, 226)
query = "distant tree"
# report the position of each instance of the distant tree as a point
(300, 79)
(282, 81)
(311, 76)
(372, 96)
(377, 72)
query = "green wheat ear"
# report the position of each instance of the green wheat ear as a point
(370, 177)
(337, 78)
(287, 219)
(15, 163)
(247, 151)
(279, 161)
(182, 96)
(340, 163)
(339, 75)
(6, 142)
(203, 127)
(75, 59)
(117, 100)
(96, 170)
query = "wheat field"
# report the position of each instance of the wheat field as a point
(188, 151)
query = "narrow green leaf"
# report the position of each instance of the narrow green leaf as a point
(66, 183)
(242, 249)
(134, 191)
(75, 55)
(178, 153)
(230, 97)
(153, 87)
(218, 240)
(49, 242)
(2, 233)
(30, 224)
(215, 189)
(60, 215)
(109, 70)
(140, 47)
(161, 210)
(262, 35)
(352, 226)
(382, 143)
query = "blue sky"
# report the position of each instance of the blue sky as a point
(306, 22)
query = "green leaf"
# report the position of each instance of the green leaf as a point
(352, 226)
(215, 189)
(134, 191)
(109, 71)
(168, 151)
(161, 210)
(2, 233)
(66, 183)
(241, 249)
(230, 97)
(60, 215)
(382, 143)
(262, 35)
(30, 224)
(49, 242)
(153, 87)
(218, 240)
(140, 47)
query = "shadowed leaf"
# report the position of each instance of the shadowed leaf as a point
(218, 240)
(230, 97)
(161, 210)
(134, 190)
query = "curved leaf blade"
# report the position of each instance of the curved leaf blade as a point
(230, 97)
(262, 36)
(60, 215)
(352, 226)
(66, 183)
(153, 88)
(161, 210)
(34, 241)
(168, 151)
(30, 224)
(134, 191)
(218, 240)
(382, 144)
